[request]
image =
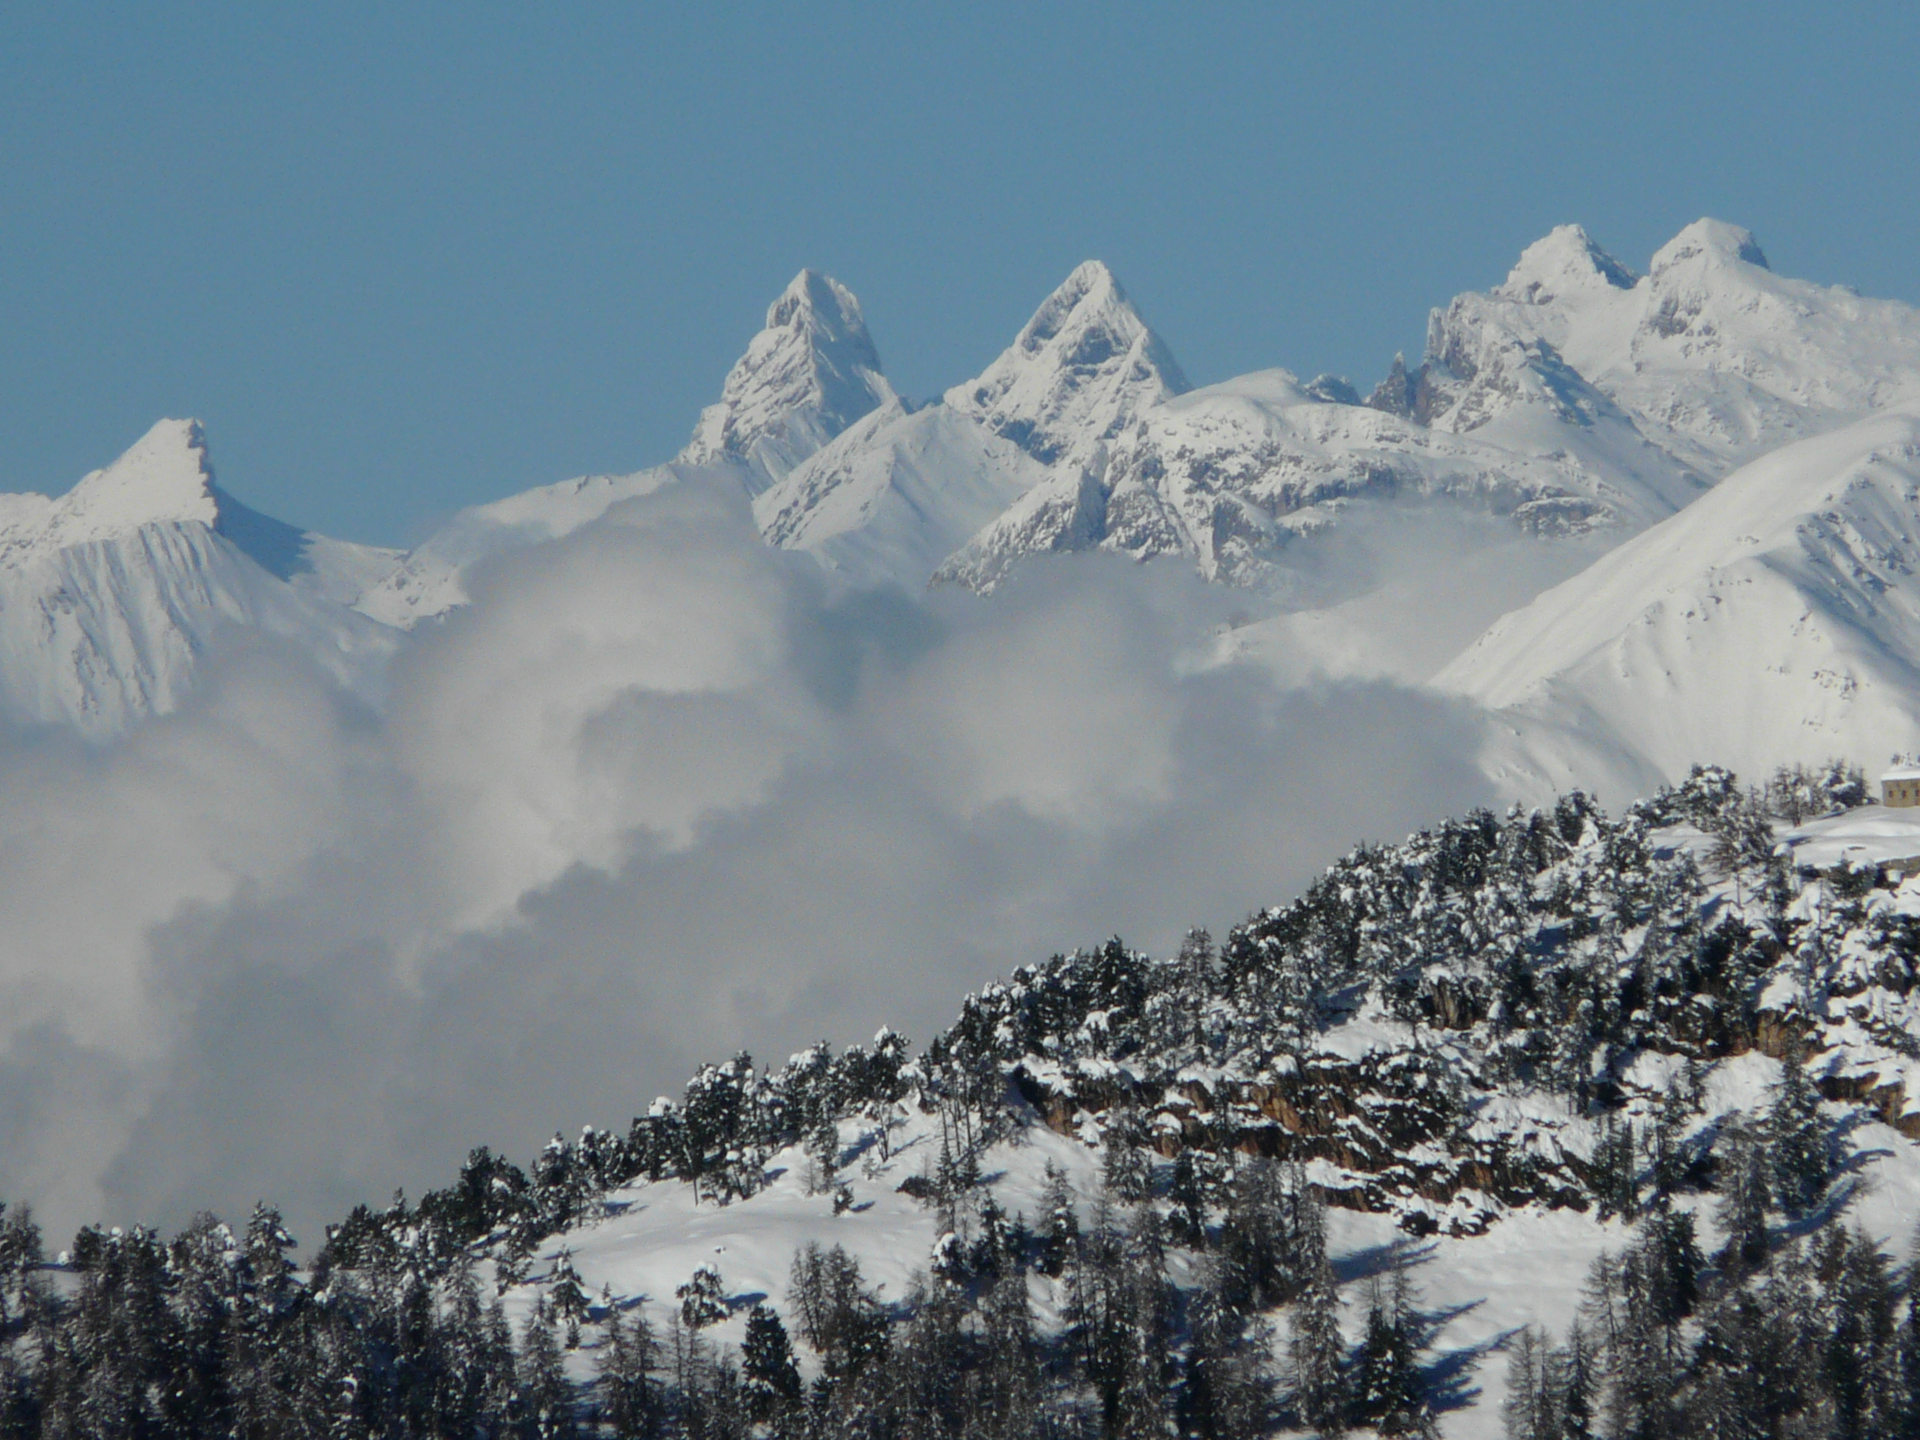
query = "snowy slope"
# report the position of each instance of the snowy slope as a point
(894, 495)
(1777, 618)
(1531, 1269)
(430, 580)
(111, 593)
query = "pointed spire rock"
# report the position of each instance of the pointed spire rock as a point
(808, 375)
(1395, 393)
(1076, 376)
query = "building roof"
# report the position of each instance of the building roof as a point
(1901, 772)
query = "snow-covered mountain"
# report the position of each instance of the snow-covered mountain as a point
(1077, 376)
(1565, 410)
(807, 376)
(1572, 400)
(1713, 357)
(810, 373)
(1573, 397)
(1776, 618)
(110, 594)
(1000, 464)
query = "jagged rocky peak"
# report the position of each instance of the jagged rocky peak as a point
(1077, 374)
(808, 375)
(1395, 394)
(1563, 262)
(1712, 242)
(165, 476)
(1331, 390)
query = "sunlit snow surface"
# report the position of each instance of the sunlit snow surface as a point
(111, 594)
(1528, 1269)
(1775, 619)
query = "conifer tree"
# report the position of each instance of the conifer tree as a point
(1863, 1354)
(1616, 1170)
(1572, 1382)
(1797, 1138)
(546, 1409)
(1909, 1345)
(1388, 1391)
(768, 1375)
(1009, 1380)
(1745, 1196)
(1059, 1222)
(568, 1298)
(628, 1404)
(1187, 1202)
(702, 1299)
(1664, 1145)
(823, 1152)
(1523, 1412)
(1318, 1351)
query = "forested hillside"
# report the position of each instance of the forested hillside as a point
(1229, 1192)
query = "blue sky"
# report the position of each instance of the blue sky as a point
(405, 258)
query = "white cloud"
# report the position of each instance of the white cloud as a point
(660, 792)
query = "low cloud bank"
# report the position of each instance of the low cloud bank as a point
(659, 794)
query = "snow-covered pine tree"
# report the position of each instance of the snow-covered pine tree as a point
(1666, 1149)
(1186, 1201)
(546, 1400)
(1059, 1233)
(1797, 1138)
(1863, 1356)
(1524, 1413)
(1318, 1351)
(1125, 1171)
(1616, 1166)
(1572, 1387)
(702, 1299)
(767, 1373)
(567, 1297)
(1388, 1388)
(1746, 1194)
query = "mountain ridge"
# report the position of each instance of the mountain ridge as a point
(1572, 405)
